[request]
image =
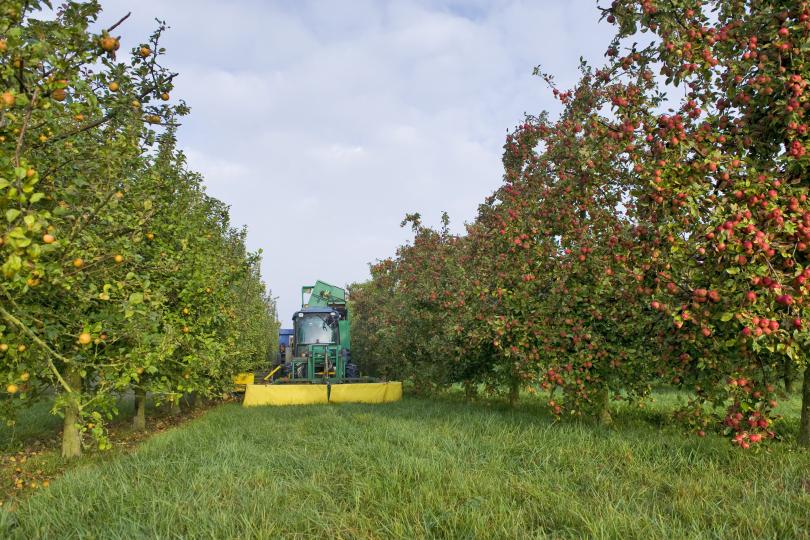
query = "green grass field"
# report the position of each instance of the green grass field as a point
(424, 468)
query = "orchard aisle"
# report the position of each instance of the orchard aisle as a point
(426, 468)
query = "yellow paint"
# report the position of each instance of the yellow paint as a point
(393, 391)
(358, 393)
(270, 375)
(366, 392)
(243, 378)
(285, 394)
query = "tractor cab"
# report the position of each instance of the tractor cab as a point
(315, 326)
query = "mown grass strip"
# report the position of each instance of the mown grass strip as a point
(425, 468)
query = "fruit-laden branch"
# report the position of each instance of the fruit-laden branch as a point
(27, 120)
(51, 353)
(80, 225)
(110, 29)
(102, 120)
(113, 233)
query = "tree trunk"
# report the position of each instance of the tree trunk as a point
(514, 392)
(470, 390)
(804, 424)
(174, 407)
(139, 420)
(71, 436)
(603, 402)
(189, 401)
(199, 401)
(789, 375)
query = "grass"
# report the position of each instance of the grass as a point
(424, 468)
(29, 448)
(34, 424)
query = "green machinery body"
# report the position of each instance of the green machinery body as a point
(317, 367)
(320, 349)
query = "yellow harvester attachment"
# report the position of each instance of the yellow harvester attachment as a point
(313, 394)
(241, 381)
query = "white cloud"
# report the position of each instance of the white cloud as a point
(215, 167)
(322, 123)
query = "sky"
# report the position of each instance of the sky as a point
(322, 123)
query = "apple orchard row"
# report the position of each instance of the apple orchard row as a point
(118, 272)
(654, 233)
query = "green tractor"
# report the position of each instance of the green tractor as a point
(317, 366)
(320, 347)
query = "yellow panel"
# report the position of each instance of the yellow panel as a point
(366, 392)
(309, 394)
(243, 378)
(358, 393)
(285, 394)
(393, 391)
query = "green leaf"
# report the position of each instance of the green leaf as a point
(11, 214)
(21, 242)
(36, 197)
(136, 298)
(12, 266)
(727, 316)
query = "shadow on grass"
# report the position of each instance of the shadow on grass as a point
(654, 414)
(38, 423)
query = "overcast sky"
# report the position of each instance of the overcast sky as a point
(322, 123)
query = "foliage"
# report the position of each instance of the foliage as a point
(655, 232)
(724, 173)
(401, 319)
(117, 269)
